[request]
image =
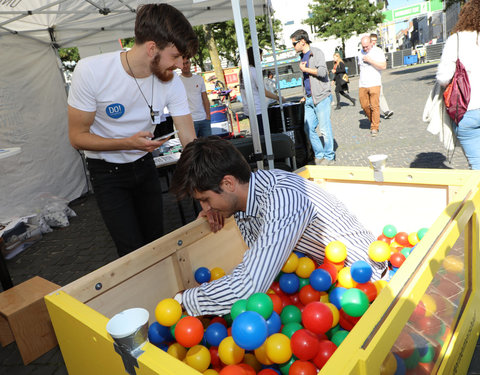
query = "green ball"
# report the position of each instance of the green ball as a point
(285, 367)
(290, 314)
(354, 302)
(238, 307)
(421, 233)
(429, 355)
(389, 231)
(412, 361)
(332, 331)
(339, 336)
(290, 328)
(303, 282)
(260, 303)
(228, 319)
(406, 251)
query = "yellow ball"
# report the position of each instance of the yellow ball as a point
(198, 357)
(168, 312)
(336, 252)
(389, 365)
(379, 251)
(335, 312)
(324, 297)
(453, 264)
(345, 278)
(229, 352)
(216, 273)
(210, 371)
(291, 263)
(178, 351)
(413, 238)
(278, 348)
(380, 284)
(430, 304)
(261, 355)
(305, 267)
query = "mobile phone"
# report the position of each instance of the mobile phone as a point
(165, 136)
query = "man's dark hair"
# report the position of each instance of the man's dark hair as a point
(299, 35)
(373, 35)
(165, 24)
(203, 165)
(251, 58)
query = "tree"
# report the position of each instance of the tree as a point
(344, 18)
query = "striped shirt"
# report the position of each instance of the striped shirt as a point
(284, 212)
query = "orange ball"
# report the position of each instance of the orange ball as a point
(189, 331)
(216, 273)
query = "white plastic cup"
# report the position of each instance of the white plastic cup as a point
(378, 163)
(129, 329)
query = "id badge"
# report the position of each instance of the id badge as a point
(156, 118)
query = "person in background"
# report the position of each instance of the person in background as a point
(341, 86)
(277, 212)
(371, 61)
(466, 41)
(270, 85)
(256, 93)
(197, 99)
(384, 108)
(115, 101)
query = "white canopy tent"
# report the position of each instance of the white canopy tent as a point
(33, 107)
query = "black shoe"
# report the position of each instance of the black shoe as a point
(388, 114)
(353, 101)
(338, 107)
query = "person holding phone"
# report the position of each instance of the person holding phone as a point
(115, 102)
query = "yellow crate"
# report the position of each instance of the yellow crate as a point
(446, 201)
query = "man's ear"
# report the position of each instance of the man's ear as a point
(151, 48)
(229, 183)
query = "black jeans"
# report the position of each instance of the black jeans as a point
(130, 200)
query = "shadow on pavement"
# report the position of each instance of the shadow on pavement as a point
(430, 160)
(411, 70)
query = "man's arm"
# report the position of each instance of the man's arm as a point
(206, 104)
(79, 123)
(377, 64)
(186, 131)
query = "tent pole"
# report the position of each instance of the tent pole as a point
(261, 87)
(242, 48)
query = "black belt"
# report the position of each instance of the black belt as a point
(103, 163)
(308, 96)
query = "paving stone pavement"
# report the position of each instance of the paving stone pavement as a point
(69, 253)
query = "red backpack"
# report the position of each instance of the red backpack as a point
(457, 93)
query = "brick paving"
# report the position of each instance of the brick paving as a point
(69, 253)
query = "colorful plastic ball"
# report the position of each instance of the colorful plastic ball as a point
(285, 367)
(215, 333)
(401, 368)
(210, 371)
(214, 357)
(361, 271)
(379, 251)
(384, 238)
(317, 317)
(338, 266)
(406, 251)
(402, 238)
(335, 313)
(277, 303)
(290, 328)
(232, 370)
(202, 275)
(216, 273)
(369, 289)
(274, 324)
(278, 348)
(248, 370)
(289, 283)
(238, 307)
(158, 334)
(308, 294)
(261, 355)
(413, 239)
(300, 367)
(252, 361)
(291, 263)
(304, 344)
(346, 321)
(354, 302)
(260, 303)
(229, 352)
(453, 264)
(345, 279)
(302, 282)
(305, 267)
(380, 284)
(198, 357)
(268, 371)
(389, 365)
(336, 295)
(421, 233)
(168, 312)
(178, 351)
(389, 231)
(336, 251)
(404, 345)
(326, 348)
(430, 304)
(339, 336)
(321, 279)
(249, 330)
(429, 354)
(219, 319)
(397, 259)
(291, 314)
(412, 361)
(189, 331)
(331, 269)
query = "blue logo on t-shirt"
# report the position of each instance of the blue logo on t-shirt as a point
(115, 110)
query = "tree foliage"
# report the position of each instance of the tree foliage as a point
(344, 18)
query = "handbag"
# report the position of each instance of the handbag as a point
(345, 77)
(457, 93)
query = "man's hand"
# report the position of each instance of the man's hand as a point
(303, 66)
(367, 59)
(215, 219)
(142, 141)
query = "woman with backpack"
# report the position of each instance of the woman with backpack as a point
(464, 45)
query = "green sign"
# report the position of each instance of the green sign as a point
(412, 10)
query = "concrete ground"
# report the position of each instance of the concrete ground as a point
(69, 253)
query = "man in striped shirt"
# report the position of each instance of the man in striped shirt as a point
(276, 211)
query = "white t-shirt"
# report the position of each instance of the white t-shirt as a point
(369, 75)
(100, 84)
(194, 86)
(256, 97)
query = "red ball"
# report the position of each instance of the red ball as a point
(304, 344)
(307, 294)
(267, 371)
(276, 287)
(294, 298)
(189, 331)
(326, 348)
(418, 313)
(215, 358)
(277, 303)
(331, 269)
(302, 368)
(233, 370)
(402, 239)
(219, 319)
(397, 259)
(248, 370)
(346, 321)
(384, 238)
(369, 289)
(404, 346)
(429, 325)
(317, 317)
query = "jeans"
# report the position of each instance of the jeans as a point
(202, 128)
(370, 101)
(468, 133)
(319, 115)
(129, 197)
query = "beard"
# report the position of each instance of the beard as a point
(163, 75)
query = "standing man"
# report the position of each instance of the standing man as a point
(318, 97)
(276, 212)
(371, 61)
(197, 99)
(383, 102)
(115, 101)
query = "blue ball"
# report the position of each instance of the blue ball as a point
(249, 330)
(336, 295)
(289, 283)
(320, 280)
(274, 324)
(158, 334)
(215, 333)
(361, 271)
(401, 367)
(202, 275)
(299, 254)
